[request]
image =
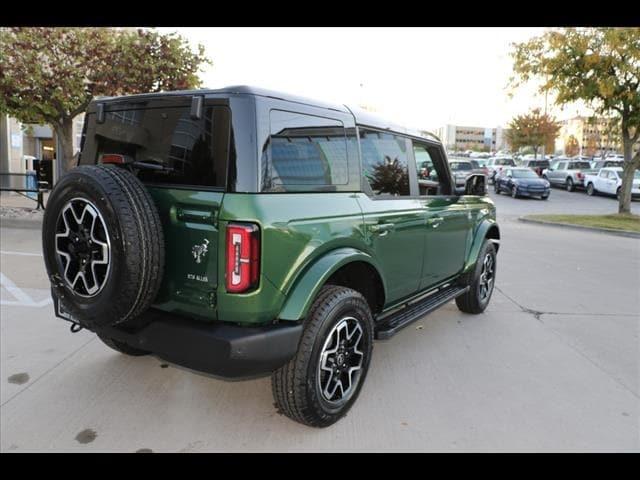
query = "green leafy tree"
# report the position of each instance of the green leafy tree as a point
(599, 66)
(571, 146)
(533, 130)
(49, 75)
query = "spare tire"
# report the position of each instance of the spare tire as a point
(103, 246)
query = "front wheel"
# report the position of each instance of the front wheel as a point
(618, 193)
(496, 187)
(514, 191)
(322, 381)
(590, 190)
(476, 299)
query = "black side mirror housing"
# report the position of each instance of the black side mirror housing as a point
(476, 184)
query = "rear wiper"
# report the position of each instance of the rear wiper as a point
(151, 166)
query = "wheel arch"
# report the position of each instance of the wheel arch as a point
(488, 229)
(347, 267)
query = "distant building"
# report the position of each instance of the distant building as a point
(596, 136)
(19, 141)
(457, 137)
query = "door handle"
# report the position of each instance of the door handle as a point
(381, 228)
(434, 221)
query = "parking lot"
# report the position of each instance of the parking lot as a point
(553, 364)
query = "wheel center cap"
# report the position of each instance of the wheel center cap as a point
(340, 359)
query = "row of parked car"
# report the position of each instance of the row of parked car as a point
(535, 177)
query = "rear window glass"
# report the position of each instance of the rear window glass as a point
(187, 151)
(304, 151)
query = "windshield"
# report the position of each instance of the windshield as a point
(505, 161)
(579, 165)
(524, 174)
(461, 166)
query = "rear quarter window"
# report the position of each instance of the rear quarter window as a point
(304, 153)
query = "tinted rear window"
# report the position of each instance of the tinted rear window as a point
(385, 163)
(192, 151)
(304, 151)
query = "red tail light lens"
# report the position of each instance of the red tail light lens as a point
(112, 158)
(579, 175)
(243, 257)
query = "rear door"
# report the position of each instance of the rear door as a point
(190, 154)
(394, 221)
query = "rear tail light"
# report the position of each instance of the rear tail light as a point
(579, 175)
(243, 257)
(112, 158)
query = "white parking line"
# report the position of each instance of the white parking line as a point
(26, 254)
(22, 299)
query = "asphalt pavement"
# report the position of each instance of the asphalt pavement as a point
(552, 365)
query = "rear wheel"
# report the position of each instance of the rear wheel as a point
(618, 193)
(569, 185)
(476, 299)
(320, 384)
(496, 187)
(590, 190)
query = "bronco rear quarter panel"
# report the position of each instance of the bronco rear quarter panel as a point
(296, 230)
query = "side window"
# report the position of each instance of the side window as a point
(385, 163)
(604, 174)
(428, 182)
(305, 153)
(562, 166)
(613, 176)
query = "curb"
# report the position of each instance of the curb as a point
(30, 224)
(610, 231)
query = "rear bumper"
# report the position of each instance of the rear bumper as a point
(224, 350)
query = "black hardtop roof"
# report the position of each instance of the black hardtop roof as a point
(362, 117)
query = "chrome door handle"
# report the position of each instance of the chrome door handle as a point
(381, 228)
(434, 221)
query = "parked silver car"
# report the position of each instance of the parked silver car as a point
(567, 173)
(461, 169)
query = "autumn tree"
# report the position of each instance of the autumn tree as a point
(599, 66)
(49, 75)
(533, 129)
(571, 146)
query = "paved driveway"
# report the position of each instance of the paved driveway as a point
(551, 365)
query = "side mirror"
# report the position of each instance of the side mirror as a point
(475, 185)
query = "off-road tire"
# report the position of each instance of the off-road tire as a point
(122, 347)
(470, 301)
(295, 385)
(136, 245)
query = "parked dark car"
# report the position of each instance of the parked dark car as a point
(522, 182)
(536, 165)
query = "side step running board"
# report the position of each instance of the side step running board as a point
(389, 326)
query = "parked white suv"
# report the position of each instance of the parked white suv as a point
(609, 180)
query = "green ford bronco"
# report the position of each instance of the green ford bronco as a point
(243, 232)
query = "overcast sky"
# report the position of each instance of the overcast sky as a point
(421, 77)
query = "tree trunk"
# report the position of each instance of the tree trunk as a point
(64, 132)
(628, 169)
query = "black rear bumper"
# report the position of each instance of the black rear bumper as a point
(220, 349)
